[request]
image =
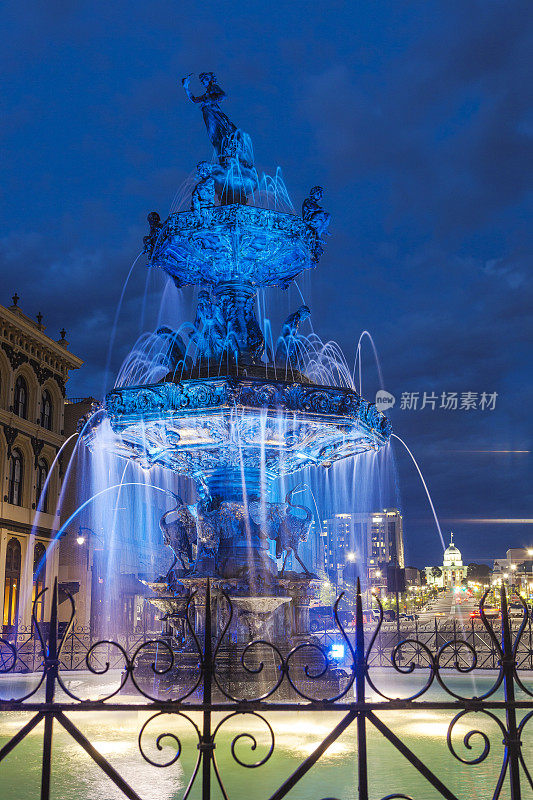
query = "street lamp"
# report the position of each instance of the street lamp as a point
(81, 539)
(97, 598)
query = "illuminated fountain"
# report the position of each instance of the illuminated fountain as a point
(231, 413)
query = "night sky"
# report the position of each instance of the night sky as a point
(417, 120)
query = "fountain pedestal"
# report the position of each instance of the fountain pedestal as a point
(255, 617)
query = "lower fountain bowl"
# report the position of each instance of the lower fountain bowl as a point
(233, 426)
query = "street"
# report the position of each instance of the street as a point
(447, 607)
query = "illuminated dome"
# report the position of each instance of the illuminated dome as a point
(452, 555)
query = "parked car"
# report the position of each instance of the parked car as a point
(321, 618)
(490, 613)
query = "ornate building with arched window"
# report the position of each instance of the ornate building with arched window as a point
(34, 369)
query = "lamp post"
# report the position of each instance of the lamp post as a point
(96, 607)
(512, 581)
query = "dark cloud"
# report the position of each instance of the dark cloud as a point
(416, 117)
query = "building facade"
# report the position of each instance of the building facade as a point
(516, 569)
(370, 541)
(452, 572)
(34, 370)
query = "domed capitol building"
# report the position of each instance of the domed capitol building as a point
(452, 571)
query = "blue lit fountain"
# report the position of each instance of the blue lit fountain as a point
(231, 413)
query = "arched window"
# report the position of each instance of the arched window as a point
(46, 411)
(20, 406)
(16, 466)
(42, 474)
(39, 579)
(12, 584)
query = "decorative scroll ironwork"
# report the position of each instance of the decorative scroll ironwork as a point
(174, 684)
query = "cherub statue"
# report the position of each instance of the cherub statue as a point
(316, 218)
(208, 537)
(176, 355)
(154, 221)
(287, 346)
(203, 194)
(208, 330)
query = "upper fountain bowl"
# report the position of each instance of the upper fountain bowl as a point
(234, 243)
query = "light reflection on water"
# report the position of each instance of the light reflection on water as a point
(114, 735)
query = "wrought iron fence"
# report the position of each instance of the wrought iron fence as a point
(261, 679)
(77, 641)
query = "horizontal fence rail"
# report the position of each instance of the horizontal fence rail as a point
(470, 638)
(206, 674)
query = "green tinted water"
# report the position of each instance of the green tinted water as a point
(115, 735)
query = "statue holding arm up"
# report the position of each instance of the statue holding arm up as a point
(219, 127)
(234, 176)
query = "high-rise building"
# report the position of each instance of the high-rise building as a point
(33, 372)
(372, 540)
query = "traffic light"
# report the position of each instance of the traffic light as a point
(395, 579)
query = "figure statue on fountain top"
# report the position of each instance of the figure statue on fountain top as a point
(219, 127)
(235, 178)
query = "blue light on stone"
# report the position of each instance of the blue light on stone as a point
(256, 246)
(211, 429)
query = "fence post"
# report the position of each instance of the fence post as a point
(206, 745)
(512, 740)
(360, 670)
(50, 668)
(530, 643)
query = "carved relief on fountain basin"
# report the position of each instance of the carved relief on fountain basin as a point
(198, 426)
(256, 245)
